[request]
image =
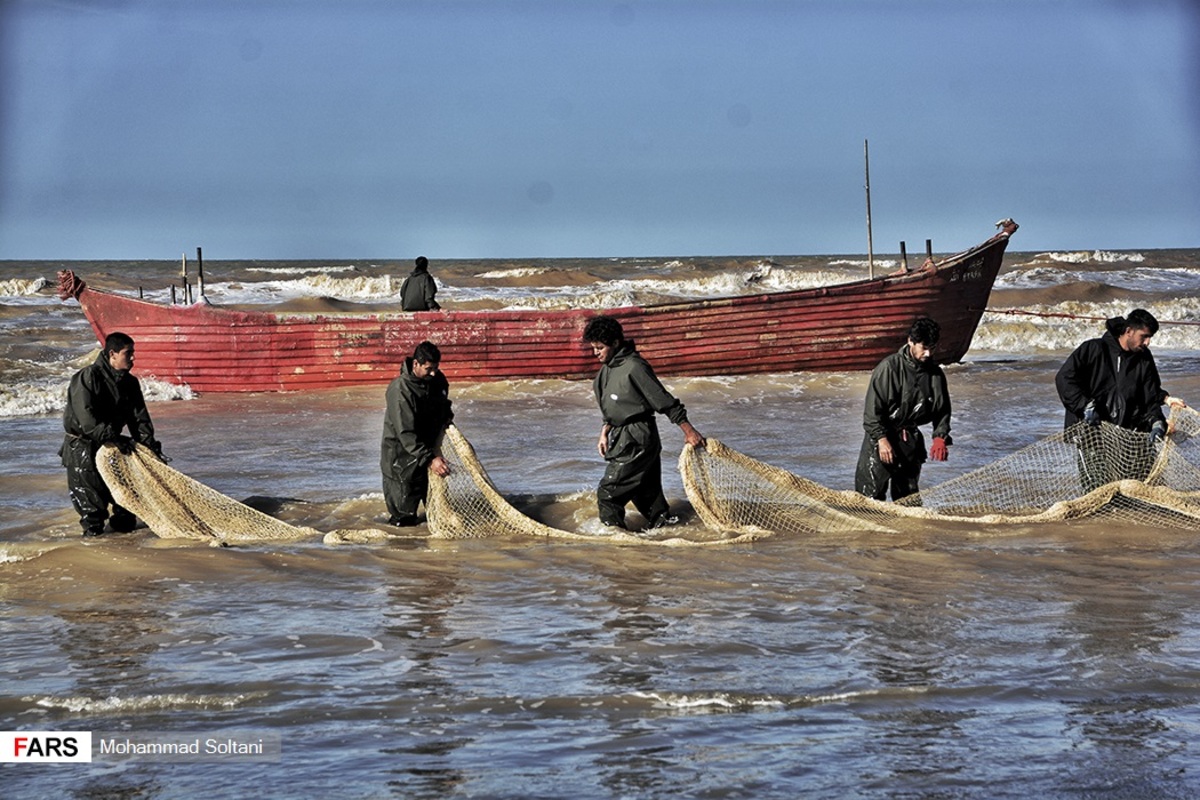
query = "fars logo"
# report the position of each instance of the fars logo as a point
(45, 746)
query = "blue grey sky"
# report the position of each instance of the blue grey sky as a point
(143, 129)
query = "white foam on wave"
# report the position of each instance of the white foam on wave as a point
(49, 396)
(1037, 278)
(22, 287)
(26, 399)
(637, 291)
(764, 276)
(16, 552)
(1091, 257)
(1179, 279)
(514, 272)
(1066, 325)
(300, 270)
(1150, 279)
(156, 390)
(360, 287)
(541, 298)
(864, 264)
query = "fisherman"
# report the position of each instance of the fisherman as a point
(418, 413)
(1114, 379)
(418, 290)
(907, 389)
(103, 399)
(629, 394)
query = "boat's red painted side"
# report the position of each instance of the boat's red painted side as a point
(844, 327)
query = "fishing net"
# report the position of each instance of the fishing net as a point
(1085, 472)
(465, 504)
(1103, 472)
(175, 506)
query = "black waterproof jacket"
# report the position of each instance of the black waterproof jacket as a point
(417, 292)
(627, 388)
(1125, 386)
(629, 394)
(904, 393)
(102, 403)
(418, 411)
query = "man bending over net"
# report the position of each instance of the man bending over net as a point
(1114, 379)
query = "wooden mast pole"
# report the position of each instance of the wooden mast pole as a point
(183, 275)
(870, 244)
(200, 271)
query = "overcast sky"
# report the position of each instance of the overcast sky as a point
(142, 129)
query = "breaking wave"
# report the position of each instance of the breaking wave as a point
(49, 396)
(359, 287)
(1064, 326)
(299, 270)
(22, 287)
(514, 272)
(762, 277)
(1091, 257)
(1148, 279)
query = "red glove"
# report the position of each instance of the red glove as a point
(938, 451)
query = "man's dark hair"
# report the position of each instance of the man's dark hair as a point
(1139, 318)
(925, 331)
(427, 353)
(116, 341)
(422, 262)
(604, 330)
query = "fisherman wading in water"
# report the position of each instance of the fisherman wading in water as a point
(907, 389)
(629, 394)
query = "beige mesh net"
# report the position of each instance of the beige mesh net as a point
(175, 506)
(461, 505)
(465, 504)
(1104, 472)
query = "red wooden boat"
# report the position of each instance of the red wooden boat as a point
(848, 326)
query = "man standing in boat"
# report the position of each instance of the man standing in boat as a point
(1114, 379)
(629, 394)
(418, 413)
(418, 290)
(103, 400)
(907, 389)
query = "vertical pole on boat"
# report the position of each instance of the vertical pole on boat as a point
(183, 268)
(904, 256)
(929, 249)
(183, 275)
(200, 271)
(870, 246)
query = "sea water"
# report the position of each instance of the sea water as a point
(1058, 660)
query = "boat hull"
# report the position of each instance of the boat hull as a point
(848, 326)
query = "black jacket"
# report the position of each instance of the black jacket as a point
(1125, 386)
(627, 388)
(418, 411)
(102, 402)
(904, 393)
(417, 292)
